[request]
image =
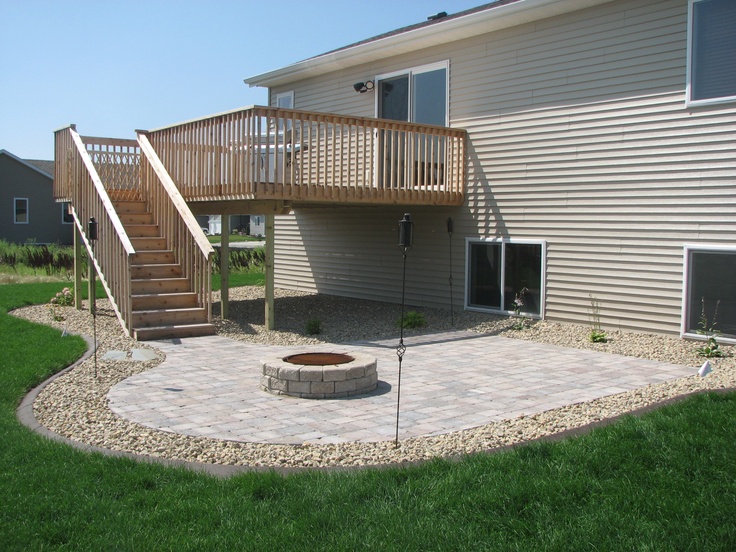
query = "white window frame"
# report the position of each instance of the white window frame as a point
(505, 241)
(411, 71)
(15, 210)
(686, 272)
(285, 95)
(688, 87)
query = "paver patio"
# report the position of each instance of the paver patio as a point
(210, 386)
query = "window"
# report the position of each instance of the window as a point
(499, 270)
(710, 283)
(416, 95)
(711, 71)
(21, 210)
(285, 100)
(66, 213)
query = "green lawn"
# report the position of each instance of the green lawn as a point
(666, 481)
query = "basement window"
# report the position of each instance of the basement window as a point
(710, 290)
(498, 270)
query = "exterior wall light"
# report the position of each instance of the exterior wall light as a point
(363, 86)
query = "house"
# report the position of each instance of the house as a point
(30, 213)
(563, 152)
(601, 162)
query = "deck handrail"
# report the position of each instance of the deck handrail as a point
(177, 223)
(275, 153)
(76, 180)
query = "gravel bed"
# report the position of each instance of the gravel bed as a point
(75, 404)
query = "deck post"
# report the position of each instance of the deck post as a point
(269, 314)
(77, 269)
(224, 265)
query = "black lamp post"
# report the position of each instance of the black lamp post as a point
(406, 237)
(92, 237)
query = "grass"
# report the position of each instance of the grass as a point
(666, 481)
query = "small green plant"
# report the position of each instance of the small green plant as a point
(711, 349)
(413, 319)
(314, 326)
(518, 303)
(596, 334)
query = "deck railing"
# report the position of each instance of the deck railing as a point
(184, 235)
(76, 180)
(117, 162)
(273, 153)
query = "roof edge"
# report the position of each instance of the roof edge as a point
(440, 32)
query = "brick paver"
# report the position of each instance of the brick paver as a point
(209, 386)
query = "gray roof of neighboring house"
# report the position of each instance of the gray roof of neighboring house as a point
(43, 165)
(40, 165)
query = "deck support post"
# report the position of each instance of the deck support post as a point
(77, 269)
(224, 265)
(269, 314)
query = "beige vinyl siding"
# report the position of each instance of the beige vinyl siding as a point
(579, 136)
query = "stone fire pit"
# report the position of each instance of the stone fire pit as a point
(319, 375)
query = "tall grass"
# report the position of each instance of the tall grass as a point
(666, 481)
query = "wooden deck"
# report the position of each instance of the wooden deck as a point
(153, 259)
(263, 153)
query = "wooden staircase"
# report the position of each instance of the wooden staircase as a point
(164, 305)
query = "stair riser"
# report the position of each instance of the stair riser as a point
(142, 230)
(136, 218)
(173, 285)
(153, 257)
(155, 271)
(169, 317)
(130, 207)
(157, 302)
(149, 243)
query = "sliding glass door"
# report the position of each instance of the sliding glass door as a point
(417, 95)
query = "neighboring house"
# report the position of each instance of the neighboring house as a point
(601, 162)
(30, 213)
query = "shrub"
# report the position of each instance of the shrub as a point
(413, 319)
(314, 326)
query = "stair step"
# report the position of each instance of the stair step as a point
(150, 286)
(142, 230)
(173, 331)
(136, 218)
(168, 317)
(148, 271)
(154, 301)
(130, 206)
(153, 257)
(149, 243)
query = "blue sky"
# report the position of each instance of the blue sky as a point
(112, 67)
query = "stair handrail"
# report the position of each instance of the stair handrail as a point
(177, 199)
(113, 258)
